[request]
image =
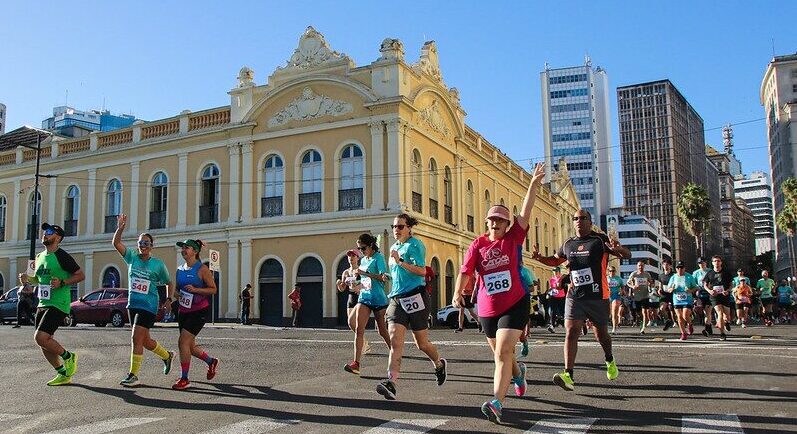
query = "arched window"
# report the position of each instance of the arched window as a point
(34, 208)
(514, 211)
(555, 241)
(312, 183)
(211, 191)
(3, 205)
(469, 206)
(113, 205)
(157, 213)
(449, 280)
(547, 237)
(110, 278)
(350, 195)
(448, 192)
(417, 197)
(502, 202)
(433, 196)
(537, 232)
(273, 187)
(71, 210)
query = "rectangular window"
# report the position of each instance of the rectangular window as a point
(571, 136)
(569, 92)
(560, 152)
(569, 107)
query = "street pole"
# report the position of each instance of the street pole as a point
(35, 215)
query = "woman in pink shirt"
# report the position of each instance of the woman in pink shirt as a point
(503, 298)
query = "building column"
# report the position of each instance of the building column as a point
(15, 212)
(12, 273)
(395, 166)
(247, 277)
(92, 202)
(247, 181)
(458, 204)
(377, 166)
(134, 208)
(88, 269)
(235, 171)
(233, 305)
(52, 203)
(182, 190)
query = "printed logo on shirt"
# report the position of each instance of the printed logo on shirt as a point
(494, 259)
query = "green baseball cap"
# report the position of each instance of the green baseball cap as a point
(189, 243)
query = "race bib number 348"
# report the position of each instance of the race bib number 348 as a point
(497, 283)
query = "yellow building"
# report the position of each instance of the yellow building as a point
(283, 180)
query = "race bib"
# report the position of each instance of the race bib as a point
(186, 299)
(412, 304)
(554, 292)
(718, 289)
(744, 299)
(642, 281)
(582, 277)
(497, 283)
(681, 296)
(366, 283)
(44, 292)
(139, 285)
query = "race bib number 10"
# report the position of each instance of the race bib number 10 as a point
(582, 277)
(497, 283)
(44, 292)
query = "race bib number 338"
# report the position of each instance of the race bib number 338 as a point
(497, 283)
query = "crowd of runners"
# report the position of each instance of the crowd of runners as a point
(492, 278)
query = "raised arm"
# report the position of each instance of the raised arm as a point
(121, 223)
(531, 195)
(551, 261)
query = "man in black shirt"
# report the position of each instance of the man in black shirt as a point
(718, 282)
(666, 297)
(246, 297)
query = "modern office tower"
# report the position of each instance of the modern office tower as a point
(575, 105)
(756, 191)
(69, 122)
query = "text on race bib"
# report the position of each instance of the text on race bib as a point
(186, 299)
(719, 289)
(497, 283)
(582, 277)
(412, 304)
(44, 292)
(139, 285)
(554, 292)
(366, 283)
(681, 296)
(642, 281)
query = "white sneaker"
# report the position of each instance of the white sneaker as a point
(738, 322)
(744, 326)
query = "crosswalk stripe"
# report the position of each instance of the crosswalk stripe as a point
(574, 425)
(407, 426)
(252, 426)
(711, 423)
(8, 416)
(107, 425)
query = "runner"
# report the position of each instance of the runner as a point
(666, 308)
(639, 282)
(528, 281)
(144, 273)
(682, 287)
(503, 296)
(765, 285)
(703, 300)
(718, 283)
(556, 299)
(408, 307)
(742, 293)
(350, 283)
(587, 254)
(615, 296)
(196, 286)
(371, 274)
(785, 293)
(55, 272)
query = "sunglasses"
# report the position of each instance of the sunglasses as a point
(144, 244)
(362, 249)
(399, 227)
(580, 217)
(49, 232)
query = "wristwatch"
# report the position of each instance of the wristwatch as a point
(401, 259)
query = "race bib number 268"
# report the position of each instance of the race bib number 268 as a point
(496, 283)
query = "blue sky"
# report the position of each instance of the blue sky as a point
(154, 59)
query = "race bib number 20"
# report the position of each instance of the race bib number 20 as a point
(412, 304)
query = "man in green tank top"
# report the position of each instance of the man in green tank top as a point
(55, 272)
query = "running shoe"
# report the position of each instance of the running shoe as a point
(564, 381)
(769, 323)
(353, 367)
(710, 330)
(727, 326)
(723, 337)
(738, 321)
(705, 332)
(70, 365)
(59, 380)
(520, 381)
(524, 350)
(667, 324)
(130, 381)
(611, 370)
(683, 336)
(181, 384)
(366, 347)
(458, 330)
(744, 326)
(691, 329)
(167, 364)
(492, 409)
(550, 328)
(212, 369)
(387, 389)
(440, 372)
(584, 330)
(612, 332)
(642, 332)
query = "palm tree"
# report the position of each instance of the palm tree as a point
(789, 189)
(787, 222)
(694, 209)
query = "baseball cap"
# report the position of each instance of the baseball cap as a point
(680, 264)
(701, 260)
(190, 243)
(500, 212)
(354, 252)
(57, 229)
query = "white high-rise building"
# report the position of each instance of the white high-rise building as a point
(2, 118)
(575, 117)
(756, 191)
(644, 237)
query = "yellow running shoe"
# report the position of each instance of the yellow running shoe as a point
(564, 381)
(71, 365)
(59, 380)
(611, 370)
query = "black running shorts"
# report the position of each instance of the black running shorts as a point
(417, 320)
(141, 318)
(193, 322)
(48, 319)
(515, 318)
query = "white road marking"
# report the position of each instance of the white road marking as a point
(252, 426)
(406, 426)
(712, 423)
(573, 425)
(7, 416)
(108, 425)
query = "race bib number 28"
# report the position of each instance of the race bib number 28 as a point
(497, 283)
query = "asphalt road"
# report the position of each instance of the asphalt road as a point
(292, 381)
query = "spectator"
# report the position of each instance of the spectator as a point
(246, 296)
(26, 308)
(296, 304)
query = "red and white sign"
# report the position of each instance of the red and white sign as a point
(215, 260)
(31, 271)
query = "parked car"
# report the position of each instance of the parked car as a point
(8, 305)
(103, 306)
(449, 315)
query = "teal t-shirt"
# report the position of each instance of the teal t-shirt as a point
(414, 253)
(784, 294)
(144, 278)
(528, 278)
(373, 291)
(615, 284)
(682, 289)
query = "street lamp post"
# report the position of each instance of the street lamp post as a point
(35, 214)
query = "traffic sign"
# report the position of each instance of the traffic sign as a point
(31, 271)
(215, 260)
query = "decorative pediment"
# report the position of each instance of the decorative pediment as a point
(312, 52)
(429, 62)
(309, 106)
(432, 118)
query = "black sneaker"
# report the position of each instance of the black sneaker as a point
(387, 389)
(550, 328)
(727, 326)
(723, 337)
(705, 332)
(667, 324)
(710, 331)
(440, 372)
